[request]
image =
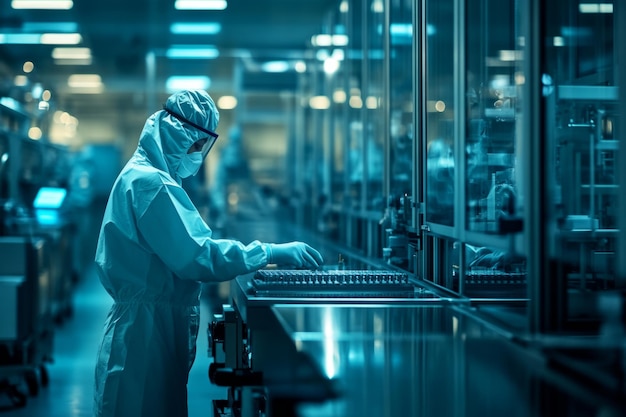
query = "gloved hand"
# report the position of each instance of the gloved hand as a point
(296, 254)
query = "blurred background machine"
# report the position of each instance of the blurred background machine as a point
(37, 269)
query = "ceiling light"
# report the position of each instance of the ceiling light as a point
(28, 67)
(329, 40)
(61, 27)
(377, 6)
(319, 102)
(275, 66)
(20, 80)
(509, 55)
(371, 102)
(20, 38)
(192, 52)
(71, 53)
(331, 65)
(355, 102)
(595, 8)
(209, 28)
(61, 38)
(84, 81)
(42, 4)
(200, 4)
(66, 56)
(401, 29)
(300, 66)
(339, 96)
(72, 61)
(178, 83)
(35, 133)
(227, 102)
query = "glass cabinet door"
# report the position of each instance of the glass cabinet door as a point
(492, 59)
(373, 108)
(492, 78)
(401, 98)
(440, 106)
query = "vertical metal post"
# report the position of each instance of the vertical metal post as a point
(386, 100)
(619, 18)
(459, 134)
(365, 80)
(418, 42)
(541, 312)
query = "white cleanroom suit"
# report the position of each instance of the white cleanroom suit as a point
(153, 251)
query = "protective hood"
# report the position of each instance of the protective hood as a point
(165, 139)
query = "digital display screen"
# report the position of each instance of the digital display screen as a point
(49, 198)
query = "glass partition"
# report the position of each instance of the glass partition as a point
(440, 108)
(401, 98)
(373, 131)
(492, 76)
(492, 59)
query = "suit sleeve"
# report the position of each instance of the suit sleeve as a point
(172, 227)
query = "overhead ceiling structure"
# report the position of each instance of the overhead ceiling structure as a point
(127, 44)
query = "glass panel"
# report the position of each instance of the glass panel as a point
(401, 98)
(354, 69)
(373, 132)
(581, 117)
(439, 88)
(491, 65)
(337, 81)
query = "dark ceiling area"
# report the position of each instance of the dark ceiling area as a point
(122, 33)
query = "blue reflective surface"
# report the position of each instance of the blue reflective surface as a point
(427, 360)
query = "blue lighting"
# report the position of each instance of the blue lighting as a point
(195, 28)
(192, 52)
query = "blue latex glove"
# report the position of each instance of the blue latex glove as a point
(296, 254)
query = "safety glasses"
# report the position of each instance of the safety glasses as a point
(210, 141)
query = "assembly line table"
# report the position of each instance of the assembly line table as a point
(424, 357)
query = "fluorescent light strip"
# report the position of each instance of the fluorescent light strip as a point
(191, 52)
(595, 8)
(42, 27)
(42, 4)
(20, 38)
(200, 4)
(210, 28)
(61, 38)
(84, 81)
(178, 83)
(275, 66)
(39, 38)
(329, 40)
(73, 61)
(71, 53)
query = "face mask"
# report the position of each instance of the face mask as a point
(190, 164)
